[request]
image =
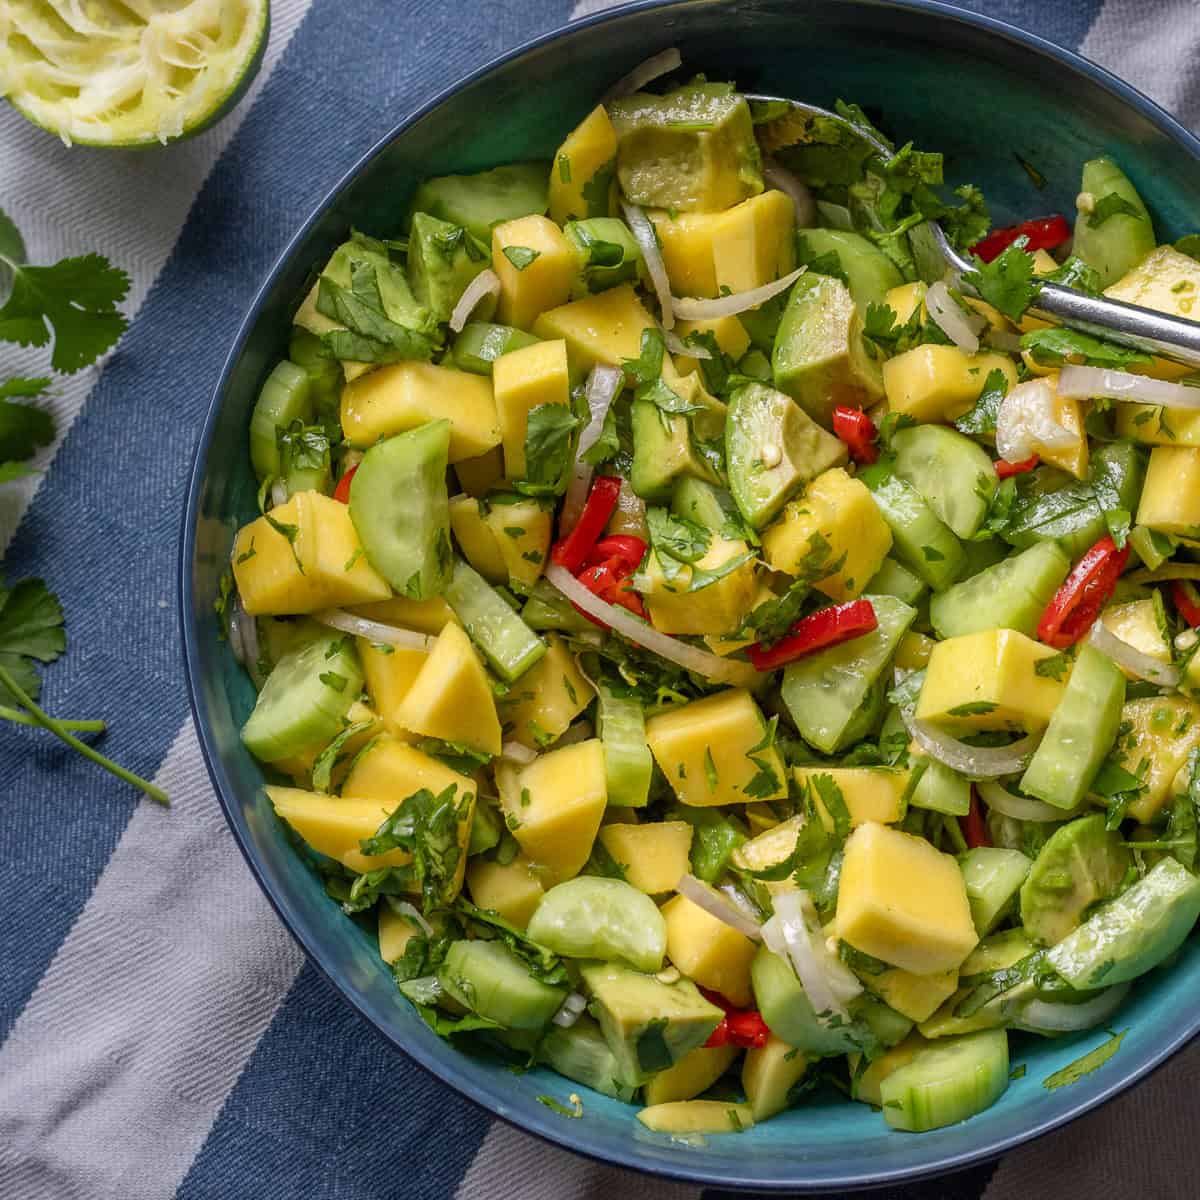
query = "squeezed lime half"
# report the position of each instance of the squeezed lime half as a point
(129, 72)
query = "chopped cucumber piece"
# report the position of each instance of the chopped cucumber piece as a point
(954, 475)
(546, 608)
(621, 724)
(993, 877)
(1114, 243)
(608, 919)
(919, 540)
(580, 1053)
(940, 789)
(508, 644)
(895, 579)
(480, 344)
(477, 202)
(286, 396)
(487, 978)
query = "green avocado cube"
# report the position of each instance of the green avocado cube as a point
(442, 260)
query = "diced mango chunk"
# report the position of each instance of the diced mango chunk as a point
(987, 680)
(1166, 279)
(708, 750)
(513, 889)
(654, 856)
(716, 608)
(1155, 426)
(708, 951)
(547, 698)
(423, 616)
(468, 523)
(1136, 624)
(1068, 413)
(1170, 500)
(768, 1075)
(905, 299)
(838, 512)
(395, 932)
(584, 170)
(523, 528)
(300, 766)
(304, 556)
(939, 383)
(400, 396)
(728, 332)
(390, 672)
(903, 901)
(1158, 734)
(694, 1073)
(870, 793)
(535, 264)
(916, 997)
(477, 476)
(526, 379)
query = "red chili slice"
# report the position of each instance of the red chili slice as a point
(342, 491)
(1077, 604)
(974, 826)
(572, 551)
(1006, 469)
(1187, 601)
(827, 627)
(1044, 233)
(628, 549)
(858, 431)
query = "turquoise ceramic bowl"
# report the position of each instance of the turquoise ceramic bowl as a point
(973, 87)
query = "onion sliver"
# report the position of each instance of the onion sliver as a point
(279, 493)
(662, 63)
(1043, 1016)
(517, 753)
(643, 231)
(949, 318)
(1086, 382)
(828, 983)
(575, 498)
(719, 670)
(677, 345)
(791, 185)
(486, 283)
(570, 1010)
(691, 308)
(373, 631)
(713, 903)
(603, 386)
(1024, 808)
(976, 762)
(1002, 339)
(402, 908)
(1132, 659)
(237, 645)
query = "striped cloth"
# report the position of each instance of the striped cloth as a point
(160, 1033)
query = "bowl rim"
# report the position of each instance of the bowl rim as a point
(446, 1068)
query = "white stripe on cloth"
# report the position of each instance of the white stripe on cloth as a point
(117, 1068)
(585, 8)
(509, 1163)
(127, 205)
(1156, 47)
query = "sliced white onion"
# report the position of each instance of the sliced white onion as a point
(570, 1010)
(740, 901)
(1026, 424)
(975, 762)
(373, 631)
(662, 63)
(517, 753)
(486, 283)
(1003, 339)
(677, 345)
(719, 670)
(402, 908)
(713, 903)
(1044, 1016)
(828, 983)
(791, 185)
(642, 229)
(603, 386)
(1131, 659)
(1024, 808)
(279, 493)
(1087, 382)
(691, 308)
(248, 630)
(234, 633)
(950, 319)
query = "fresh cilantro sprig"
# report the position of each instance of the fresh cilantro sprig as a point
(1007, 283)
(24, 428)
(1056, 347)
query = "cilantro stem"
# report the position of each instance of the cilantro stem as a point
(57, 728)
(18, 717)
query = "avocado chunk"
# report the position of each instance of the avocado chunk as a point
(481, 343)
(492, 982)
(870, 274)
(581, 1053)
(607, 254)
(477, 202)
(442, 260)
(1133, 933)
(708, 506)
(665, 444)
(649, 1025)
(772, 448)
(1113, 232)
(993, 877)
(692, 149)
(820, 358)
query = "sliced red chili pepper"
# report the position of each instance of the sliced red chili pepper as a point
(572, 551)
(608, 580)
(726, 1006)
(624, 546)
(1044, 233)
(1077, 604)
(342, 491)
(747, 1029)
(827, 627)
(858, 431)
(1187, 601)
(974, 825)
(720, 1035)
(1006, 469)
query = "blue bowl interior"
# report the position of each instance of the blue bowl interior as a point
(977, 90)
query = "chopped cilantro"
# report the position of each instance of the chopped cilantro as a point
(564, 169)
(975, 708)
(1007, 283)
(1109, 205)
(1055, 667)
(765, 782)
(550, 438)
(1057, 347)
(1086, 1064)
(710, 770)
(549, 1101)
(981, 418)
(520, 256)
(328, 759)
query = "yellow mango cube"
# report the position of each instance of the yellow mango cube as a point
(392, 770)
(866, 1081)
(654, 855)
(524, 380)
(741, 248)
(477, 476)
(522, 529)
(728, 332)
(940, 383)
(300, 766)
(704, 749)
(585, 160)
(871, 793)
(1136, 624)
(536, 265)
(468, 523)
(1162, 732)
(905, 299)
(1068, 412)
(423, 616)
(553, 806)
(1170, 500)
(1166, 279)
(708, 951)
(450, 698)
(306, 556)
(390, 672)
(714, 609)
(913, 652)
(395, 932)
(513, 889)
(986, 680)
(838, 510)
(916, 997)
(694, 1073)
(397, 397)
(903, 901)
(1155, 426)
(547, 698)
(768, 1075)
(770, 847)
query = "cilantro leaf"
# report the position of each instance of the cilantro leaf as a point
(765, 783)
(1075, 273)
(549, 449)
(370, 334)
(982, 418)
(23, 427)
(1007, 283)
(542, 963)
(1085, 1064)
(676, 537)
(328, 759)
(645, 372)
(31, 628)
(520, 256)
(1056, 347)
(1110, 205)
(718, 367)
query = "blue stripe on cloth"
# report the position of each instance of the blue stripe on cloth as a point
(1064, 23)
(326, 1110)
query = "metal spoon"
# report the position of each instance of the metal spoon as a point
(1130, 325)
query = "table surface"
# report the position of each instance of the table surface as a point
(160, 1033)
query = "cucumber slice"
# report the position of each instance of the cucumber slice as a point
(993, 877)
(1115, 245)
(628, 763)
(870, 274)
(305, 698)
(548, 609)
(481, 343)
(828, 693)
(919, 539)
(490, 980)
(478, 202)
(608, 919)
(286, 396)
(947, 1081)
(133, 74)
(1081, 732)
(581, 1053)
(1012, 594)
(941, 789)
(953, 474)
(508, 644)
(895, 579)
(712, 507)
